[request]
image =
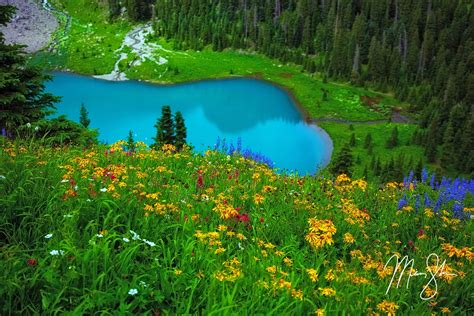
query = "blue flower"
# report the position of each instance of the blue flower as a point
(424, 175)
(403, 202)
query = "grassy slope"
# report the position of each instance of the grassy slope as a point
(380, 134)
(90, 49)
(90, 200)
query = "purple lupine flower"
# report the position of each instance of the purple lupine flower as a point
(231, 149)
(427, 202)
(218, 144)
(239, 144)
(224, 146)
(439, 202)
(432, 181)
(417, 203)
(403, 202)
(405, 182)
(424, 175)
(4, 132)
(458, 208)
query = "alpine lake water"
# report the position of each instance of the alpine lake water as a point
(262, 115)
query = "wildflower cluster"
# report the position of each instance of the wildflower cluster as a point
(164, 226)
(320, 233)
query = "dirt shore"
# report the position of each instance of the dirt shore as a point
(31, 25)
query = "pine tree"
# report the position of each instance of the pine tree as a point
(131, 142)
(164, 129)
(181, 134)
(343, 161)
(368, 141)
(22, 96)
(352, 141)
(393, 140)
(84, 117)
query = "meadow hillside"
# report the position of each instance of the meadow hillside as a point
(106, 230)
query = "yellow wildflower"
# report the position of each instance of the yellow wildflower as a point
(327, 291)
(348, 238)
(313, 274)
(219, 250)
(271, 269)
(288, 261)
(258, 199)
(387, 307)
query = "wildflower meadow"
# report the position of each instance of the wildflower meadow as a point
(111, 231)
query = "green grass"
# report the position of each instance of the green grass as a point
(192, 258)
(341, 133)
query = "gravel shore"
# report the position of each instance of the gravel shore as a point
(31, 25)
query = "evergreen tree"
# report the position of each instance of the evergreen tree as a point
(84, 117)
(368, 141)
(181, 133)
(343, 161)
(22, 96)
(352, 141)
(393, 140)
(131, 142)
(165, 129)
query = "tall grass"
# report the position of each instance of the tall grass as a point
(106, 231)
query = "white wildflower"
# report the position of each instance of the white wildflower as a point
(126, 239)
(149, 243)
(99, 235)
(142, 283)
(56, 252)
(28, 125)
(132, 291)
(135, 236)
(48, 236)
(2, 177)
(64, 181)
(103, 190)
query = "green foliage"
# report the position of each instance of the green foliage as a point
(22, 96)
(393, 140)
(165, 128)
(181, 133)
(131, 142)
(343, 161)
(352, 141)
(84, 118)
(61, 132)
(368, 141)
(83, 232)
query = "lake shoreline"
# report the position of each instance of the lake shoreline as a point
(327, 142)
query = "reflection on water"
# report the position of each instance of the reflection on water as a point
(263, 115)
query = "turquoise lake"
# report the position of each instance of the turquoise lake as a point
(263, 115)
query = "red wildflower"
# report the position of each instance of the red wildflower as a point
(32, 262)
(262, 220)
(243, 218)
(237, 209)
(72, 182)
(411, 243)
(421, 232)
(200, 182)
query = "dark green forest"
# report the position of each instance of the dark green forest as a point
(422, 51)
